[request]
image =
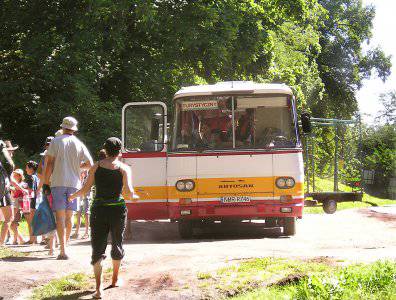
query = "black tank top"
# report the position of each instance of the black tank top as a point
(108, 186)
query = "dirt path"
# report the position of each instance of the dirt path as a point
(159, 265)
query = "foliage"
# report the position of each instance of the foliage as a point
(341, 62)
(62, 287)
(6, 252)
(321, 278)
(379, 149)
(60, 58)
(87, 60)
(388, 113)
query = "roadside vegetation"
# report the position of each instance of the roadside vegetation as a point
(327, 185)
(6, 252)
(71, 286)
(279, 278)
(68, 287)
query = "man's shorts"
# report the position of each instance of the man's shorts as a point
(59, 198)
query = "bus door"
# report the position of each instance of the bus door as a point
(144, 136)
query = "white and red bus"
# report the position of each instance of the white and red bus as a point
(232, 152)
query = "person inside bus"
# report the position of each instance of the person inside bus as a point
(220, 139)
(204, 135)
(244, 128)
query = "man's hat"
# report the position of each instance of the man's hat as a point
(10, 147)
(69, 123)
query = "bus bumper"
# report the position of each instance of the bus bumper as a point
(217, 212)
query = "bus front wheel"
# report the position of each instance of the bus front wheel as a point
(185, 229)
(289, 227)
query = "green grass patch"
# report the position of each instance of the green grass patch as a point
(62, 288)
(278, 278)
(202, 276)
(23, 228)
(253, 274)
(327, 185)
(7, 252)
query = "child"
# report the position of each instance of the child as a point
(18, 191)
(83, 209)
(32, 182)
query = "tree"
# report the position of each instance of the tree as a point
(388, 113)
(379, 151)
(87, 59)
(342, 63)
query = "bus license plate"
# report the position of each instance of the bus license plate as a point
(234, 199)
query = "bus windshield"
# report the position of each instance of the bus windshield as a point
(234, 122)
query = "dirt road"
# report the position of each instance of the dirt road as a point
(158, 265)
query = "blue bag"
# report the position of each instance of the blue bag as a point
(43, 220)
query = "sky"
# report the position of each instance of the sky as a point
(383, 36)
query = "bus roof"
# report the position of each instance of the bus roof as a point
(238, 87)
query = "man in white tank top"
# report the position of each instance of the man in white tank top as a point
(67, 157)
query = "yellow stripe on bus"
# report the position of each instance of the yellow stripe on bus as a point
(208, 187)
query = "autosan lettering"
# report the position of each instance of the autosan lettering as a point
(232, 186)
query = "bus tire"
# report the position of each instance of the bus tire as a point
(185, 229)
(330, 206)
(270, 222)
(289, 227)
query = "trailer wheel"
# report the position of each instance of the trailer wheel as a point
(289, 227)
(270, 222)
(185, 229)
(330, 206)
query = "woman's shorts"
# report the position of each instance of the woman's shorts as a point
(6, 200)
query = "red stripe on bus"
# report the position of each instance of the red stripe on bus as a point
(143, 154)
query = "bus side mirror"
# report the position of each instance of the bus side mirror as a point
(306, 122)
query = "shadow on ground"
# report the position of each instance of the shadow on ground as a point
(74, 296)
(157, 232)
(384, 217)
(22, 258)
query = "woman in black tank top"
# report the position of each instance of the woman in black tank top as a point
(112, 178)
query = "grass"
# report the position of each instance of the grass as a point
(327, 185)
(278, 278)
(7, 252)
(62, 288)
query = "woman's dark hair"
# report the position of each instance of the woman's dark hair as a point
(112, 146)
(102, 154)
(32, 165)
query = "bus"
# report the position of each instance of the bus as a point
(231, 153)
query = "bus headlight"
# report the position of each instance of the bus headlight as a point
(180, 185)
(285, 182)
(185, 185)
(189, 185)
